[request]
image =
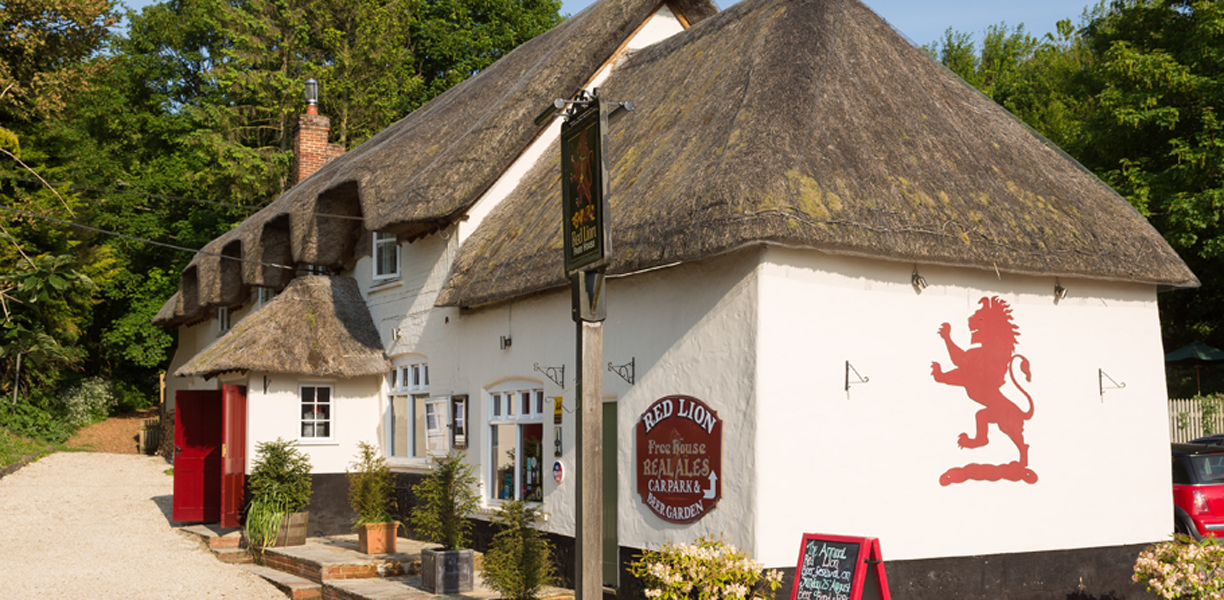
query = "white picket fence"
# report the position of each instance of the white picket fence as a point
(1186, 420)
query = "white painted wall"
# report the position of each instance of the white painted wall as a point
(690, 329)
(868, 462)
(276, 413)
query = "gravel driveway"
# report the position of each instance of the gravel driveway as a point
(85, 525)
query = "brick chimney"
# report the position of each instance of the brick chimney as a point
(310, 148)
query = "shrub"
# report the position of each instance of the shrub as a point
(519, 561)
(280, 476)
(30, 421)
(706, 570)
(280, 485)
(1182, 568)
(447, 496)
(89, 401)
(371, 487)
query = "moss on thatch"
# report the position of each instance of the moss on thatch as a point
(318, 326)
(812, 124)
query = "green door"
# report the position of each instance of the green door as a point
(611, 546)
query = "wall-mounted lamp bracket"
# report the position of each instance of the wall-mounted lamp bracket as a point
(1102, 376)
(626, 371)
(861, 379)
(554, 374)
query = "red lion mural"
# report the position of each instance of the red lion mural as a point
(982, 370)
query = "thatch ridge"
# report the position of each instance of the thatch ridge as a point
(318, 326)
(812, 124)
(429, 168)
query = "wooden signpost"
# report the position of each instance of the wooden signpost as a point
(835, 567)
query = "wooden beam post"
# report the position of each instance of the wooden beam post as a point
(589, 501)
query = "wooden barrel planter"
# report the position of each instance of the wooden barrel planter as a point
(292, 530)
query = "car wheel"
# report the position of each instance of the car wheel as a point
(1184, 525)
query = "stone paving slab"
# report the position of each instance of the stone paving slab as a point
(408, 587)
(342, 550)
(290, 584)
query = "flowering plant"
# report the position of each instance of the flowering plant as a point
(709, 569)
(1182, 568)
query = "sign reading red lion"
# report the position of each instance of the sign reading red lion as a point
(679, 458)
(983, 370)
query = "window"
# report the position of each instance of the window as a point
(316, 412)
(418, 421)
(459, 404)
(265, 295)
(223, 319)
(386, 256)
(516, 424)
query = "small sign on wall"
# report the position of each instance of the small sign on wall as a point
(679, 458)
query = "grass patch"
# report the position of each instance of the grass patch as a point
(13, 448)
(169, 471)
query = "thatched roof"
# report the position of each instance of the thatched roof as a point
(318, 326)
(428, 169)
(812, 124)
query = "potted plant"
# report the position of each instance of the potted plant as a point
(370, 494)
(280, 492)
(519, 561)
(446, 497)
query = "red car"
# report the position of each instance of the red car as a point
(1198, 490)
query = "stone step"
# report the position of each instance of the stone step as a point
(408, 587)
(325, 559)
(296, 588)
(232, 556)
(215, 537)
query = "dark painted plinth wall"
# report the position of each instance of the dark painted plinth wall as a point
(1085, 574)
(330, 513)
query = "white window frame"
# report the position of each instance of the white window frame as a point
(331, 420)
(223, 319)
(381, 243)
(507, 406)
(264, 295)
(409, 380)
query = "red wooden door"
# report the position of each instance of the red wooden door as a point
(197, 455)
(233, 453)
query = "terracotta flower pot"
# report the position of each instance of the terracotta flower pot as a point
(377, 538)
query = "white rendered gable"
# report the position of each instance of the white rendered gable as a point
(659, 26)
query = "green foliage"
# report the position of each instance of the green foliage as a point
(446, 497)
(13, 448)
(26, 419)
(280, 477)
(89, 401)
(371, 486)
(1182, 568)
(708, 569)
(263, 522)
(519, 561)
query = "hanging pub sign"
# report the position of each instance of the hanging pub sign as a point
(679, 458)
(584, 186)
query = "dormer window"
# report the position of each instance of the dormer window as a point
(386, 256)
(223, 320)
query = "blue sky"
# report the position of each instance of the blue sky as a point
(924, 21)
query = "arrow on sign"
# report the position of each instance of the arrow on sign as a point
(713, 480)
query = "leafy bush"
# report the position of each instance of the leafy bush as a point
(519, 561)
(1182, 568)
(30, 421)
(280, 476)
(447, 496)
(371, 487)
(130, 398)
(89, 401)
(706, 570)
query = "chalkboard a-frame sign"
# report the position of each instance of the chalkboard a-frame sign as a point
(834, 567)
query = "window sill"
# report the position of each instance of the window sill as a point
(317, 442)
(386, 284)
(410, 465)
(491, 506)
